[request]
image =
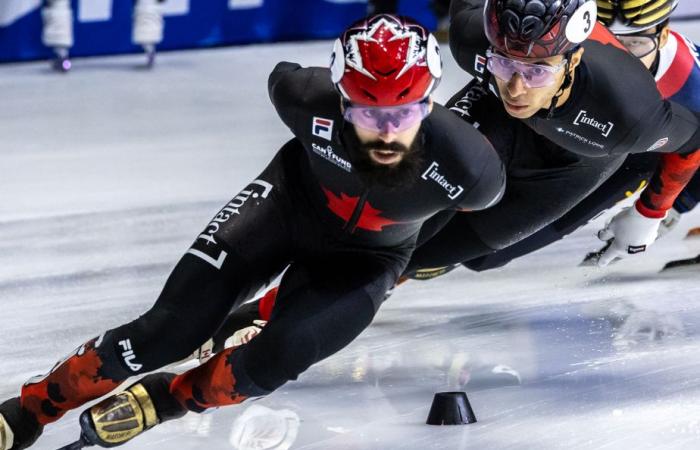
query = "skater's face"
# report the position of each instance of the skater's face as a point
(530, 84)
(388, 133)
(646, 44)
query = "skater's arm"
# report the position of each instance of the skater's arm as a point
(292, 88)
(489, 187)
(634, 229)
(467, 37)
(675, 169)
(674, 172)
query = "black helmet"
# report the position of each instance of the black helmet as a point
(538, 28)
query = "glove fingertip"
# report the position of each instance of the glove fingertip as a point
(605, 234)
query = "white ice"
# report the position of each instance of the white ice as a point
(108, 173)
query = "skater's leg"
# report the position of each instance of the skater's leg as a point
(689, 197)
(229, 261)
(148, 26)
(627, 180)
(57, 31)
(320, 308)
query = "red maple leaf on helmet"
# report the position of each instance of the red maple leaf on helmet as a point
(384, 38)
(370, 218)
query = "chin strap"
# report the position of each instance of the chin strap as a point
(655, 65)
(568, 79)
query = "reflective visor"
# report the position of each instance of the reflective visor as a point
(533, 75)
(393, 119)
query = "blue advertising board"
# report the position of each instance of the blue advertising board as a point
(104, 26)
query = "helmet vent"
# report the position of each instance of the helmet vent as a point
(370, 96)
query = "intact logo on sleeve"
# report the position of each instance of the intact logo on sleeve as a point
(206, 246)
(584, 119)
(322, 128)
(432, 173)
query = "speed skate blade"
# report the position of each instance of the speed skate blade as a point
(77, 445)
(682, 264)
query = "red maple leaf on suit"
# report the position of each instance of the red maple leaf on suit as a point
(370, 218)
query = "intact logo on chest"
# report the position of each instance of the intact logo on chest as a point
(453, 190)
(583, 118)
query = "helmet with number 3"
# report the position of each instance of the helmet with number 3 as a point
(538, 28)
(386, 60)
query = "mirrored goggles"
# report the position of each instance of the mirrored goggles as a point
(533, 75)
(391, 119)
(640, 45)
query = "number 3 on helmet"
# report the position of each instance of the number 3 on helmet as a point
(538, 28)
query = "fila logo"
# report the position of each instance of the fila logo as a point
(604, 128)
(432, 174)
(129, 356)
(480, 63)
(322, 128)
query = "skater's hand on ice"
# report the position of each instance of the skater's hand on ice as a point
(631, 233)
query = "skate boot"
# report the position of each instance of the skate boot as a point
(121, 417)
(429, 273)
(57, 32)
(147, 29)
(18, 427)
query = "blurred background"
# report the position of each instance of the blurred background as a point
(103, 27)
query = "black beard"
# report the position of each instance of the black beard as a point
(402, 175)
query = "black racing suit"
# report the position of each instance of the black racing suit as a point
(553, 163)
(344, 243)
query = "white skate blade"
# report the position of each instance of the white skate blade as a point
(682, 265)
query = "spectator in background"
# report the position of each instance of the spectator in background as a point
(57, 33)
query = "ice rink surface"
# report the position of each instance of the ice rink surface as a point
(108, 173)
